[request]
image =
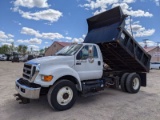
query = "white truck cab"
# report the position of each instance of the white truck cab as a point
(77, 62)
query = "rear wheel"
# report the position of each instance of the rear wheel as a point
(123, 82)
(133, 83)
(62, 95)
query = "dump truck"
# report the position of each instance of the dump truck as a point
(108, 57)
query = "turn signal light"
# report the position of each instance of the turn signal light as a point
(47, 78)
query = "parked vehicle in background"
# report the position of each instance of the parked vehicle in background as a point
(40, 56)
(26, 58)
(155, 65)
(15, 59)
(3, 57)
(10, 58)
(30, 57)
(22, 59)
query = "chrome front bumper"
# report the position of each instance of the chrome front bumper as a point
(26, 91)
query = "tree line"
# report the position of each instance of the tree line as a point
(6, 49)
(22, 49)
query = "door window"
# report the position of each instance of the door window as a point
(83, 53)
(95, 53)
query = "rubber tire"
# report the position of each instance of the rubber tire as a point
(129, 82)
(123, 82)
(52, 95)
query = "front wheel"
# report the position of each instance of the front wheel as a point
(62, 95)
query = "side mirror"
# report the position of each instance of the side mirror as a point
(90, 52)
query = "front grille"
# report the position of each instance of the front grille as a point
(28, 71)
(28, 84)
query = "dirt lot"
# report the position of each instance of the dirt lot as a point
(108, 105)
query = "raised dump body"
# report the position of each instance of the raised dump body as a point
(119, 49)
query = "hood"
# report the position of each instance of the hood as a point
(53, 60)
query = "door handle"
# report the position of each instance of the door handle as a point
(99, 63)
(78, 63)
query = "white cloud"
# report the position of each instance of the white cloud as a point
(149, 43)
(30, 31)
(10, 40)
(10, 35)
(30, 41)
(8, 44)
(51, 36)
(83, 35)
(128, 1)
(6, 38)
(68, 38)
(35, 41)
(3, 35)
(77, 40)
(31, 3)
(157, 2)
(101, 5)
(128, 10)
(34, 47)
(139, 30)
(46, 42)
(145, 33)
(99, 11)
(50, 15)
(23, 41)
(2, 40)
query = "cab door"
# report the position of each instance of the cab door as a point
(88, 63)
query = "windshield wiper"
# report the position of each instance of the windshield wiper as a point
(62, 54)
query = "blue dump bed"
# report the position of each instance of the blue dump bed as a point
(119, 49)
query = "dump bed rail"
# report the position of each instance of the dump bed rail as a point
(119, 49)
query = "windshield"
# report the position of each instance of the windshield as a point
(69, 50)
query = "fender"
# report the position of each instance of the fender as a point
(57, 71)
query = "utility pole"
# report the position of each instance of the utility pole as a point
(145, 43)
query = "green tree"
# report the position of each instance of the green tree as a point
(4, 49)
(12, 48)
(24, 49)
(19, 49)
(42, 51)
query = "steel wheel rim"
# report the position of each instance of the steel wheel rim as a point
(64, 95)
(135, 83)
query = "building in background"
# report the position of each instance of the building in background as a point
(55, 47)
(154, 52)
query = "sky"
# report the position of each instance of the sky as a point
(38, 23)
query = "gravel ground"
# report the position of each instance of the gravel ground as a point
(109, 104)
